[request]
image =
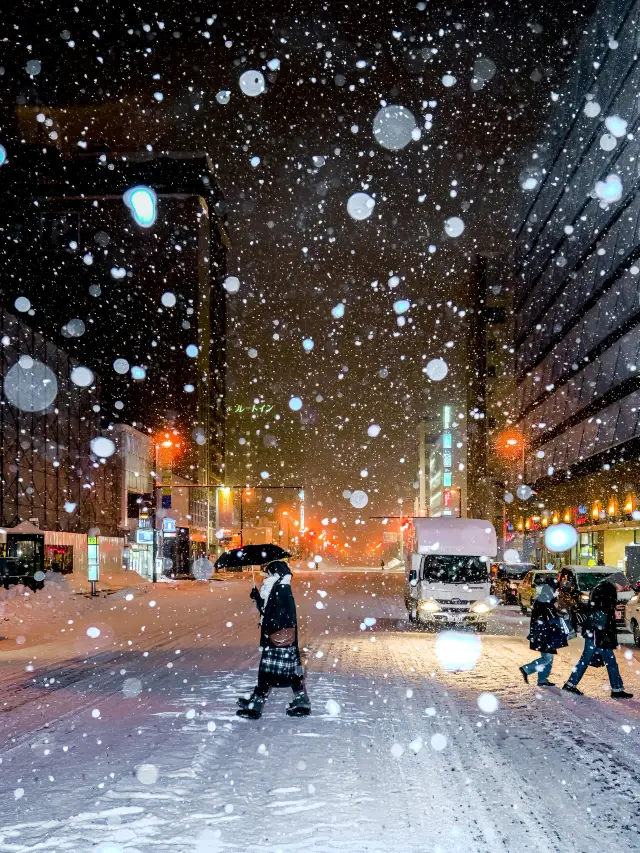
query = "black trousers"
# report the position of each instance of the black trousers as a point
(265, 684)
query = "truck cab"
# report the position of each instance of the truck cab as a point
(447, 577)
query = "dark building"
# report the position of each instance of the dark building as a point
(142, 306)
(576, 269)
(50, 476)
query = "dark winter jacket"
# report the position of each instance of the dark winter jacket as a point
(278, 613)
(603, 599)
(545, 634)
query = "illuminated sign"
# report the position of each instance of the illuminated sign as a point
(144, 537)
(169, 525)
(250, 409)
(446, 480)
(446, 441)
(93, 559)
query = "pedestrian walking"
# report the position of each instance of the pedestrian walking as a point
(280, 664)
(601, 636)
(547, 634)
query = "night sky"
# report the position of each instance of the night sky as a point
(149, 75)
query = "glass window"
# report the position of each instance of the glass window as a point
(455, 569)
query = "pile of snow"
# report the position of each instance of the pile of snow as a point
(63, 598)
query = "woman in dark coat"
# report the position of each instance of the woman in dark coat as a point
(280, 662)
(546, 634)
(601, 635)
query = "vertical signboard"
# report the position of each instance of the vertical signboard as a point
(93, 562)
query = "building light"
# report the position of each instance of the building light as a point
(142, 202)
(613, 507)
(596, 509)
(567, 515)
(520, 524)
(555, 518)
(630, 503)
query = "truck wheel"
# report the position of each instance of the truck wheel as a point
(636, 632)
(412, 616)
(481, 627)
(523, 609)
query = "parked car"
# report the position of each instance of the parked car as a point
(575, 585)
(632, 617)
(507, 578)
(530, 586)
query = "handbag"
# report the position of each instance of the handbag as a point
(596, 660)
(567, 627)
(283, 638)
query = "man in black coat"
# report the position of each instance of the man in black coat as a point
(601, 635)
(546, 635)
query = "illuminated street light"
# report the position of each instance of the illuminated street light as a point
(142, 202)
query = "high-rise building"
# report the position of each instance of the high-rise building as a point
(577, 299)
(140, 302)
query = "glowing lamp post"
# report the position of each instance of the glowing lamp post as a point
(511, 445)
(167, 446)
(143, 203)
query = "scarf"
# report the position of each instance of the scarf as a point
(265, 590)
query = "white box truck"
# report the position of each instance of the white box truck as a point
(447, 580)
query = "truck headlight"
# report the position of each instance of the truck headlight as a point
(480, 607)
(429, 606)
(584, 597)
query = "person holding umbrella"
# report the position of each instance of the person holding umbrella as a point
(280, 664)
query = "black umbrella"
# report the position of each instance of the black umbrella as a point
(251, 555)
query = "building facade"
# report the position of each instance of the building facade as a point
(576, 277)
(50, 475)
(144, 307)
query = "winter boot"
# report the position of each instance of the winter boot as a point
(621, 694)
(251, 708)
(300, 707)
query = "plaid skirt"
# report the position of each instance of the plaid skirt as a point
(280, 665)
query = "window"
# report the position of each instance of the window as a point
(492, 345)
(491, 370)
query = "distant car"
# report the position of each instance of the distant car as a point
(575, 585)
(632, 617)
(530, 587)
(507, 579)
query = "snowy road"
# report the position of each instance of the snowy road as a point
(410, 762)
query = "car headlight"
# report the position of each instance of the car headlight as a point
(633, 598)
(584, 596)
(429, 606)
(480, 607)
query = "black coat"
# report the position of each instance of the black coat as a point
(278, 613)
(545, 634)
(604, 598)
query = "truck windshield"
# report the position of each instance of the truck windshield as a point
(455, 569)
